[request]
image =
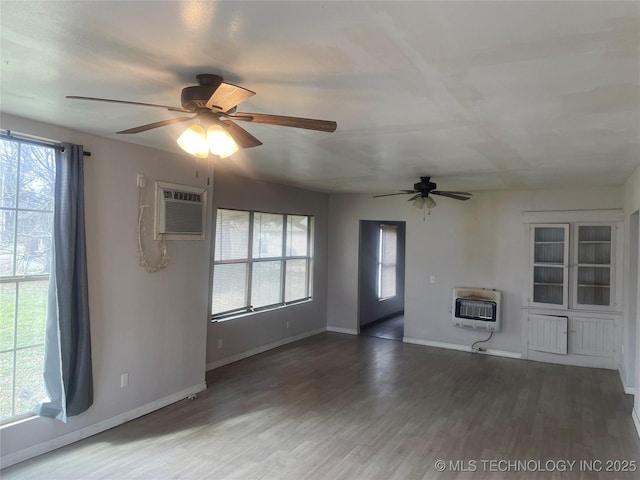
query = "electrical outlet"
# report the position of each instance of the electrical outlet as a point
(124, 380)
(140, 180)
(219, 343)
(432, 279)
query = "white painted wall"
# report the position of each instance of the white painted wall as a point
(477, 243)
(631, 205)
(253, 332)
(152, 326)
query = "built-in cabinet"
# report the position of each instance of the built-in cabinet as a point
(584, 268)
(572, 303)
(550, 265)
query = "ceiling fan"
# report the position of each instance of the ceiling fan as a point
(214, 103)
(421, 191)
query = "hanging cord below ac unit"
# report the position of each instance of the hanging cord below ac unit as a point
(164, 260)
(473, 345)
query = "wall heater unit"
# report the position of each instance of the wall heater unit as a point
(476, 308)
(180, 212)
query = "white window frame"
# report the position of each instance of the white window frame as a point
(18, 280)
(383, 263)
(248, 308)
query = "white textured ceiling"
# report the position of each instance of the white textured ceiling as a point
(478, 95)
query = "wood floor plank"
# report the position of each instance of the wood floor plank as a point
(340, 407)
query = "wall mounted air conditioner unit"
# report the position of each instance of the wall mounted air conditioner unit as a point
(477, 308)
(180, 212)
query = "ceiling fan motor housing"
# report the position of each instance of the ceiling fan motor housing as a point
(425, 185)
(196, 97)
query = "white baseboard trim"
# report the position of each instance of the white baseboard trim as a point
(627, 389)
(461, 348)
(63, 440)
(348, 331)
(263, 348)
(636, 420)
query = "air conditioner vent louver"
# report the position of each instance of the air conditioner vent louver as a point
(183, 218)
(180, 212)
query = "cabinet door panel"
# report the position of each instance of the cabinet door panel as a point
(548, 333)
(550, 233)
(548, 294)
(549, 253)
(591, 336)
(593, 271)
(548, 275)
(594, 295)
(549, 265)
(594, 233)
(594, 253)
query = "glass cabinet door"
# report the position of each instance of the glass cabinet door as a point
(594, 262)
(550, 248)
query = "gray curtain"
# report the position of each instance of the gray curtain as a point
(67, 370)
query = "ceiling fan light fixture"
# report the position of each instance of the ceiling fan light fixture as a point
(429, 202)
(225, 155)
(220, 142)
(418, 203)
(194, 141)
(424, 202)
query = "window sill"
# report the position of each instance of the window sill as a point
(387, 298)
(258, 311)
(13, 421)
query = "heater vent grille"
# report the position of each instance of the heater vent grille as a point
(477, 308)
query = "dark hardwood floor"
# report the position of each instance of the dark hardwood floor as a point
(390, 329)
(343, 407)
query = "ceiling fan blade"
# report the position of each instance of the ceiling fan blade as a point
(150, 126)
(414, 197)
(450, 195)
(243, 138)
(228, 96)
(309, 123)
(94, 99)
(408, 191)
(390, 194)
(455, 193)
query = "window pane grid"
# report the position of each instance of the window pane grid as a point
(278, 263)
(232, 235)
(27, 179)
(387, 259)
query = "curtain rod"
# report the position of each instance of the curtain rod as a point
(9, 136)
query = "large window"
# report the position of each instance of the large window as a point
(261, 260)
(27, 176)
(387, 261)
